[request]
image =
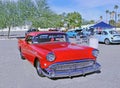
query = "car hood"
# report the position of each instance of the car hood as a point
(67, 51)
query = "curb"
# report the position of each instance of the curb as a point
(8, 39)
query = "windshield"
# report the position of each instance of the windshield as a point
(42, 38)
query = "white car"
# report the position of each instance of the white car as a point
(107, 36)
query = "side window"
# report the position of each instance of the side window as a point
(29, 39)
(43, 38)
(104, 33)
(35, 39)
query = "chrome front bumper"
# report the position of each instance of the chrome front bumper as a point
(69, 69)
(115, 41)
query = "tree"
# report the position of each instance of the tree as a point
(2, 15)
(107, 11)
(86, 22)
(110, 15)
(40, 15)
(73, 20)
(113, 15)
(34, 12)
(112, 22)
(116, 7)
(10, 15)
(101, 18)
(91, 22)
(118, 17)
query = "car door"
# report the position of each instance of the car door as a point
(28, 49)
(104, 35)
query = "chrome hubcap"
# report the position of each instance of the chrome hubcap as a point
(106, 41)
(38, 67)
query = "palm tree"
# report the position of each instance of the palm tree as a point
(119, 17)
(111, 21)
(113, 14)
(101, 18)
(107, 11)
(110, 15)
(116, 7)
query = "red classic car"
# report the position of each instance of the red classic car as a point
(54, 56)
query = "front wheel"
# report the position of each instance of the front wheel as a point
(21, 55)
(38, 68)
(107, 41)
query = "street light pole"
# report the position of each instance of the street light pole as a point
(115, 19)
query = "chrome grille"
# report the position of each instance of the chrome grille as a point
(72, 65)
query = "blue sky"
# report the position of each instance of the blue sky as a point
(89, 9)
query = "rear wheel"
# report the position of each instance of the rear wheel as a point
(107, 41)
(38, 68)
(21, 55)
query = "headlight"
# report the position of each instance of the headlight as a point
(50, 56)
(95, 52)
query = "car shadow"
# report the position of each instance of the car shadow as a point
(110, 44)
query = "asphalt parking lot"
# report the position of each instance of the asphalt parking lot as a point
(17, 73)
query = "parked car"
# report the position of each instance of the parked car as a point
(31, 30)
(54, 29)
(107, 36)
(71, 33)
(88, 32)
(82, 37)
(54, 56)
(74, 33)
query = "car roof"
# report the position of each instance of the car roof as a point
(44, 32)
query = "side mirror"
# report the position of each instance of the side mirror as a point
(26, 41)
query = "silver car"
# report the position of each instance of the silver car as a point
(107, 36)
